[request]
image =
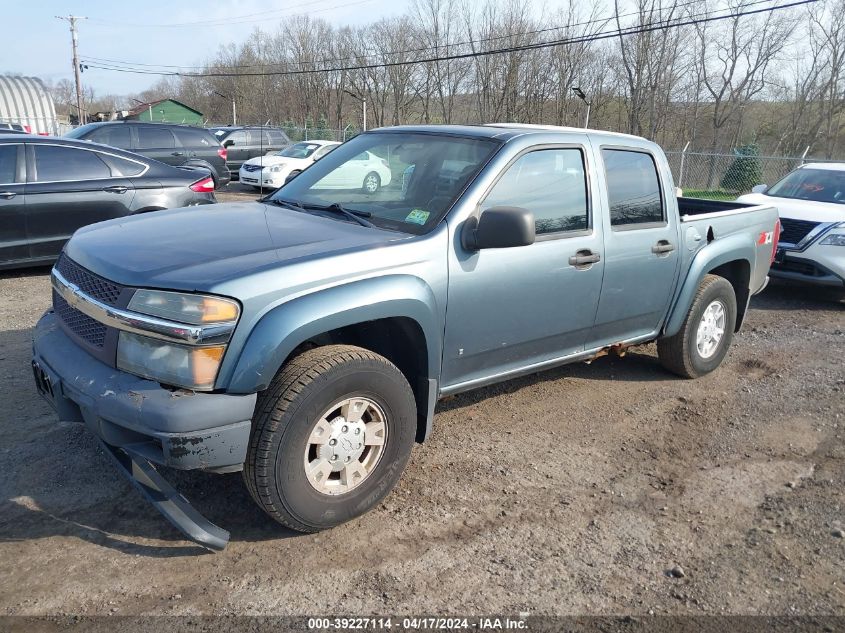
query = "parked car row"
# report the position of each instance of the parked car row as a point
(50, 187)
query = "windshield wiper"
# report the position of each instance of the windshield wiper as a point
(290, 204)
(353, 214)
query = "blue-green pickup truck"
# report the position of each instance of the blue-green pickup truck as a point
(306, 338)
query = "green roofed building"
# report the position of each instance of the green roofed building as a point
(165, 111)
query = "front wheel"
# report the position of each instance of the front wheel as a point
(330, 438)
(703, 340)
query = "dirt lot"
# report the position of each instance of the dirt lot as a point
(569, 492)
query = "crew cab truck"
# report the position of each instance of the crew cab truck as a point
(306, 338)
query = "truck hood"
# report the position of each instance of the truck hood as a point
(799, 209)
(198, 248)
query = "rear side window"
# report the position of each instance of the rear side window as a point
(8, 163)
(551, 183)
(122, 166)
(114, 135)
(277, 137)
(59, 163)
(155, 138)
(633, 188)
(189, 137)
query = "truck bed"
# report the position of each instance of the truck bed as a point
(698, 206)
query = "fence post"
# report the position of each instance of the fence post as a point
(681, 170)
(804, 155)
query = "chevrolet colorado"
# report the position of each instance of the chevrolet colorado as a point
(306, 338)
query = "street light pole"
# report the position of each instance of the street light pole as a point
(580, 94)
(363, 103)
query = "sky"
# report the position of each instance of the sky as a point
(136, 32)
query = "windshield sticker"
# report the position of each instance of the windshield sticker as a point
(418, 216)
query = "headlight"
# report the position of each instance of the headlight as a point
(189, 366)
(834, 239)
(181, 365)
(184, 308)
(277, 168)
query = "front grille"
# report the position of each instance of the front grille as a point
(79, 323)
(251, 168)
(793, 231)
(92, 285)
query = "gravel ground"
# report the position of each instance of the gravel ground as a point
(613, 488)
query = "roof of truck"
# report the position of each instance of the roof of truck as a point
(505, 131)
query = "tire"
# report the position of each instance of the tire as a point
(287, 418)
(372, 183)
(684, 354)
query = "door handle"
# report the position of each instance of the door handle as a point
(116, 189)
(7, 195)
(177, 153)
(663, 246)
(584, 258)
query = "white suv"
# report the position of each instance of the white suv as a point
(811, 203)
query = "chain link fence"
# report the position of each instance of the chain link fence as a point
(725, 176)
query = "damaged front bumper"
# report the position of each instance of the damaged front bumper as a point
(142, 423)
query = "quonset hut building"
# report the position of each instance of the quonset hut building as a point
(26, 102)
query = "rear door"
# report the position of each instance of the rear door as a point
(13, 240)
(159, 142)
(641, 250)
(67, 188)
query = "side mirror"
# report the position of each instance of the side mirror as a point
(228, 143)
(759, 188)
(499, 227)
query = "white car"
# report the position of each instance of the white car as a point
(811, 203)
(365, 171)
(272, 170)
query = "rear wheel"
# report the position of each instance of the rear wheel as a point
(372, 182)
(330, 437)
(703, 340)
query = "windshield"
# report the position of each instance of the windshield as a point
(80, 131)
(300, 150)
(403, 180)
(818, 185)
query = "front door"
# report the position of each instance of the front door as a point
(512, 308)
(67, 188)
(641, 243)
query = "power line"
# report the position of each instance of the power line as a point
(224, 21)
(447, 45)
(512, 49)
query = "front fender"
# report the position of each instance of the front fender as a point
(290, 324)
(721, 251)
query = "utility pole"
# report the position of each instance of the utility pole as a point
(72, 20)
(363, 101)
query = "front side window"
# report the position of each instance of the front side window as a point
(114, 135)
(551, 183)
(59, 163)
(818, 185)
(404, 181)
(155, 138)
(633, 188)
